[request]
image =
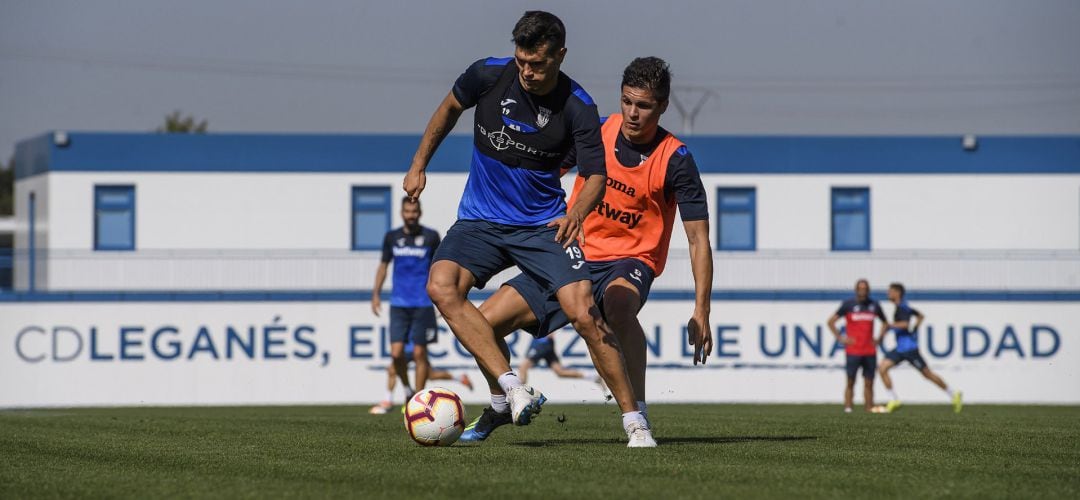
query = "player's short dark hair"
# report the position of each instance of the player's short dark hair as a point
(650, 73)
(536, 29)
(861, 281)
(899, 287)
(405, 200)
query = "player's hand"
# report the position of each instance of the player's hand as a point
(845, 340)
(570, 229)
(415, 181)
(699, 335)
(376, 305)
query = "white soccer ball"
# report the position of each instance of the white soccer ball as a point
(435, 417)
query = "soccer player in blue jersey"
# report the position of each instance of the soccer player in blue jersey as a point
(529, 116)
(412, 316)
(907, 349)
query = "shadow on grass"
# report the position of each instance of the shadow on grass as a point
(670, 441)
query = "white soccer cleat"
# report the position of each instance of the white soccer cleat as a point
(640, 436)
(525, 402)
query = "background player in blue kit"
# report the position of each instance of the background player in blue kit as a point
(543, 349)
(907, 349)
(529, 116)
(412, 316)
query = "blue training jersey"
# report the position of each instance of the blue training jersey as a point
(411, 255)
(519, 142)
(906, 339)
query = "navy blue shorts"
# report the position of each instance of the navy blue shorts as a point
(413, 324)
(542, 351)
(867, 363)
(486, 248)
(912, 357)
(545, 305)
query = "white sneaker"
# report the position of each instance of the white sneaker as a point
(524, 403)
(640, 436)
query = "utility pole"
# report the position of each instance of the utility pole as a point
(689, 115)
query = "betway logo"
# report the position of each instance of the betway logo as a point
(420, 252)
(862, 316)
(631, 219)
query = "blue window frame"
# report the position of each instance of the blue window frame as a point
(851, 219)
(736, 223)
(370, 216)
(114, 217)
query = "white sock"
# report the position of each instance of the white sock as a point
(409, 393)
(643, 408)
(509, 380)
(950, 392)
(633, 416)
(389, 395)
(892, 395)
(499, 404)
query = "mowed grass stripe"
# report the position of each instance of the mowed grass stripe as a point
(746, 451)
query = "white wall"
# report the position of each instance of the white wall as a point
(919, 211)
(115, 353)
(292, 230)
(236, 210)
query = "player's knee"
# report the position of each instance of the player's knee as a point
(443, 292)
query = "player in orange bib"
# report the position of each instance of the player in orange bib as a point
(650, 175)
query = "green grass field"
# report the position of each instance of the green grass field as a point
(570, 451)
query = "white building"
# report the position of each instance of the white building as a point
(208, 231)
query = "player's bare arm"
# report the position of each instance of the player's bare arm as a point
(376, 291)
(440, 125)
(701, 265)
(570, 226)
(836, 333)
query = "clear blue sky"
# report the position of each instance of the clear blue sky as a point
(778, 67)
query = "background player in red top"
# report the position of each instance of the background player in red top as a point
(859, 314)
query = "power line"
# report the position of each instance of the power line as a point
(428, 75)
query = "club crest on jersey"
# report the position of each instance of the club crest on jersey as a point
(543, 117)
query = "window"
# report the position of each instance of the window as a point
(370, 216)
(851, 219)
(114, 217)
(736, 224)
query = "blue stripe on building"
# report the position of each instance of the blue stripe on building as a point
(148, 152)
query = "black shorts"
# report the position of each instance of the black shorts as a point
(867, 363)
(545, 305)
(486, 248)
(912, 357)
(542, 351)
(413, 324)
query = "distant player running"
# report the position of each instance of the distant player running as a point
(529, 116)
(650, 173)
(859, 314)
(543, 350)
(412, 316)
(907, 349)
(391, 382)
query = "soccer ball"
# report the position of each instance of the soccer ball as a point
(435, 417)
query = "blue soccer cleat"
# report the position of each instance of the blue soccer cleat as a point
(484, 425)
